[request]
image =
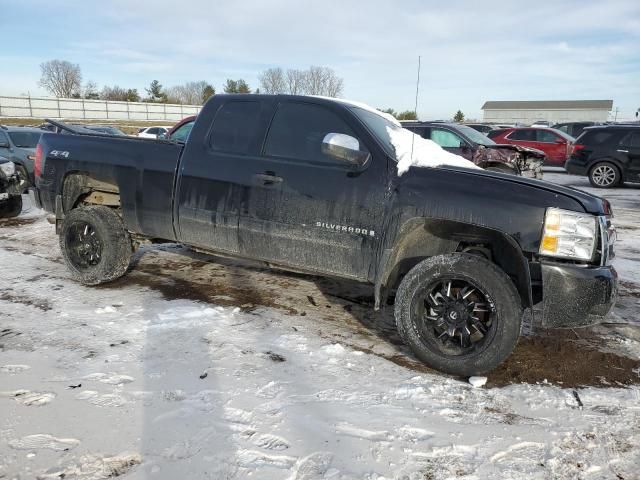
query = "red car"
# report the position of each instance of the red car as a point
(181, 130)
(556, 144)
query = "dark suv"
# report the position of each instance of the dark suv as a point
(607, 154)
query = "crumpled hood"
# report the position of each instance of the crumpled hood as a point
(518, 148)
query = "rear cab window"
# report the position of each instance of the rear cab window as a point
(235, 127)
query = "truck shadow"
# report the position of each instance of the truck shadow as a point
(342, 311)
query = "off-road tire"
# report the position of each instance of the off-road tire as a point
(603, 167)
(11, 207)
(116, 248)
(508, 312)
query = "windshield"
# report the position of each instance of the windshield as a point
(182, 133)
(475, 136)
(379, 127)
(109, 130)
(564, 135)
(25, 139)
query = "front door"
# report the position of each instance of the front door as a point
(307, 209)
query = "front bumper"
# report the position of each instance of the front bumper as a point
(577, 296)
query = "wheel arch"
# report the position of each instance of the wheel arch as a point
(420, 238)
(80, 187)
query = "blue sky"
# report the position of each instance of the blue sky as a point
(471, 51)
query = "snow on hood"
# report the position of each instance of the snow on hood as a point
(426, 153)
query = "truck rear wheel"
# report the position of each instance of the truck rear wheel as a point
(11, 207)
(95, 245)
(459, 313)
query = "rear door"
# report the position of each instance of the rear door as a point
(216, 174)
(630, 146)
(307, 209)
(553, 145)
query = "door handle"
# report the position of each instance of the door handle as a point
(623, 151)
(265, 180)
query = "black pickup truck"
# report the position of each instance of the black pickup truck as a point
(322, 186)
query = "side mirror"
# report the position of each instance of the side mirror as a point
(344, 147)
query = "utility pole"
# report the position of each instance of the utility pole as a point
(615, 118)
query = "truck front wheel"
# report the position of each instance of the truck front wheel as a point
(459, 313)
(95, 245)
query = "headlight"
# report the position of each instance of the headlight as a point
(568, 234)
(8, 168)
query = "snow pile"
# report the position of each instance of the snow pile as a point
(426, 153)
(477, 382)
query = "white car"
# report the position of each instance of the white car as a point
(153, 132)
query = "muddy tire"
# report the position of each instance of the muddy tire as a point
(604, 175)
(459, 313)
(11, 207)
(95, 245)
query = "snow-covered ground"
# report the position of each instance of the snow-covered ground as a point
(192, 368)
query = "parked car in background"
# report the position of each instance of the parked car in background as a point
(541, 123)
(481, 127)
(574, 129)
(480, 149)
(11, 188)
(554, 143)
(153, 132)
(608, 154)
(18, 144)
(181, 130)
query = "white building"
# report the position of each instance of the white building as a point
(554, 111)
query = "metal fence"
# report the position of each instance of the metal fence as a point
(80, 109)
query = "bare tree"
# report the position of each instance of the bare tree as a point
(60, 78)
(191, 93)
(296, 82)
(333, 84)
(119, 94)
(90, 91)
(272, 81)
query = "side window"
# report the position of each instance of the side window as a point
(526, 135)
(3, 138)
(446, 139)
(235, 126)
(182, 133)
(563, 128)
(297, 131)
(153, 131)
(632, 139)
(546, 136)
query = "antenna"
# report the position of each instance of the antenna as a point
(415, 110)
